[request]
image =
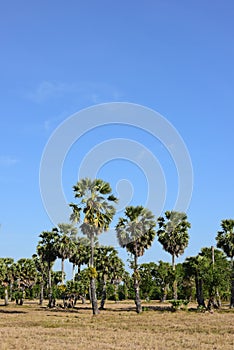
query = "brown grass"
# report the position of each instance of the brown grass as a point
(118, 327)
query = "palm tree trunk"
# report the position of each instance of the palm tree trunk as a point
(103, 292)
(175, 295)
(50, 286)
(62, 269)
(93, 295)
(137, 287)
(41, 292)
(232, 284)
(73, 272)
(199, 291)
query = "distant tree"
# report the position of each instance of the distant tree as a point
(173, 235)
(135, 232)
(225, 241)
(42, 270)
(211, 271)
(164, 278)
(216, 272)
(80, 254)
(95, 210)
(109, 267)
(6, 275)
(65, 244)
(148, 276)
(26, 277)
(193, 269)
(46, 249)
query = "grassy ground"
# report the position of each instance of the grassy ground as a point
(118, 327)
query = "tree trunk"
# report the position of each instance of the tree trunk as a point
(116, 296)
(175, 295)
(50, 286)
(73, 272)
(137, 288)
(199, 291)
(11, 290)
(62, 269)
(103, 293)
(165, 291)
(6, 296)
(232, 285)
(93, 295)
(41, 292)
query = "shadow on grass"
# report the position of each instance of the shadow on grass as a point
(144, 308)
(12, 312)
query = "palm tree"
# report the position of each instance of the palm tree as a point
(135, 232)
(47, 252)
(26, 276)
(80, 254)
(174, 237)
(96, 211)
(65, 244)
(42, 269)
(225, 241)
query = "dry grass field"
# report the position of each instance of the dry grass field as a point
(118, 327)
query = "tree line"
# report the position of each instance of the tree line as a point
(207, 277)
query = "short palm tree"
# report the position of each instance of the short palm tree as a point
(46, 249)
(80, 255)
(95, 210)
(135, 232)
(65, 244)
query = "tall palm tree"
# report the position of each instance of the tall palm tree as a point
(95, 210)
(46, 250)
(135, 232)
(65, 244)
(225, 241)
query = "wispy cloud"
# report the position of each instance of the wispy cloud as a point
(47, 90)
(6, 161)
(84, 92)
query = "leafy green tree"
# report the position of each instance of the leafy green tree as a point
(211, 270)
(80, 254)
(109, 267)
(147, 272)
(26, 277)
(65, 244)
(7, 273)
(215, 271)
(225, 241)
(96, 211)
(173, 235)
(193, 269)
(135, 232)
(46, 249)
(164, 277)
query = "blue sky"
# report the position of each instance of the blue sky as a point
(57, 57)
